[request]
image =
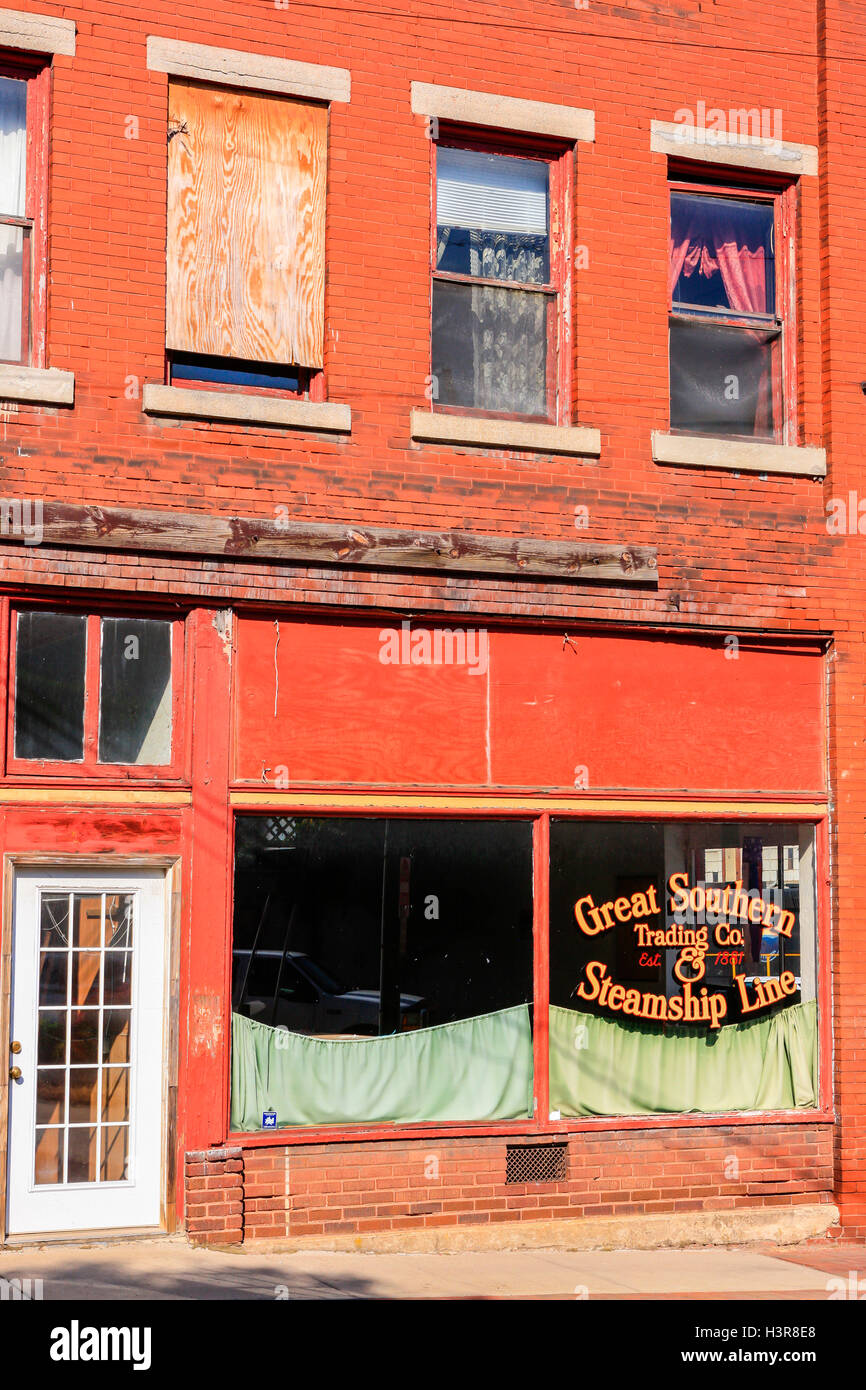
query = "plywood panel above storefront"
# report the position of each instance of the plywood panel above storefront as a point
(326, 703)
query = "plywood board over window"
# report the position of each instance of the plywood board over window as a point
(246, 225)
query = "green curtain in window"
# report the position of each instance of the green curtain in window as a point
(475, 1069)
(602, 1067)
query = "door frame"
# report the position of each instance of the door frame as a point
(101, 863)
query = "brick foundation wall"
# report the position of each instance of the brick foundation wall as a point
(240, 1194)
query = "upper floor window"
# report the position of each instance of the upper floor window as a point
(22, 218)
(728, 335)
(93, 690)
(246, 240)
(500, 314)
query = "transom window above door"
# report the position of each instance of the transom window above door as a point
(92, 690)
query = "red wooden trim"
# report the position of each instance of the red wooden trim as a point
(282, 803)
(38, 93)
(92, 687)
(541, 965)
(4, 679)
(282, 1138)
(824, 963)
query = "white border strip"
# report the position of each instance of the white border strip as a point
(730, 147)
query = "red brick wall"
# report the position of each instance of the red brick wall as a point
(735, 553)
(407, 1184)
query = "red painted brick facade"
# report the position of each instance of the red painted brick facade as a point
(738, 553)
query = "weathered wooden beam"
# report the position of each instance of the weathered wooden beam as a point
(311, 543)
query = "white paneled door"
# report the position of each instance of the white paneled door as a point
(86, 1051)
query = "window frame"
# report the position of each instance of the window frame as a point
(313, 382)
(558, 290)
(36, 72)
(540, 814)
(782, 196)
(88, 766)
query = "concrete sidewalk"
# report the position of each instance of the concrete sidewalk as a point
(168, 1268)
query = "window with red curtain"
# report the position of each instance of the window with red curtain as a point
(727, 326)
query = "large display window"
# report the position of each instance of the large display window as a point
(392, 969)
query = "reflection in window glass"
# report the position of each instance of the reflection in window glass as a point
(630, 896)
(350, 925)
(135, 691)
(49, 686)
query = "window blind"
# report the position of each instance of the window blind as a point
(246, 226)
(493, 193)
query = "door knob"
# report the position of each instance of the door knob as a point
(15, 1047)
(14, 1073)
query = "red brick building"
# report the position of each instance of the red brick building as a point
(432, 783)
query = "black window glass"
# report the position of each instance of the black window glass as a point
(50, 658)
(723, 254)
(135, 691)
(366, 926)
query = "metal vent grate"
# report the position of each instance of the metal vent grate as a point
(536, 1163)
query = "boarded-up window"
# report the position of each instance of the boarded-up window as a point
(246, 225)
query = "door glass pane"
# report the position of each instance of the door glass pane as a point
(83, 1094)
(49, 686)
(83, 1098)
(82, 1160)
(51, 1096)
(87, 921)
(492, 216)
(135, 691)
(490, 348)
(722, 379)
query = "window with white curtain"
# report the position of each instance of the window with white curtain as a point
(496, 283)
(15, 228)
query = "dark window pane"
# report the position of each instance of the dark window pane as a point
(230, 372)
(375, 926)
(135, 693)
(722, 254)
(490, 348)
(722, 379)
(49, 686)
(492, 216)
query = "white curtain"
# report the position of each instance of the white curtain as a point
(13, 150)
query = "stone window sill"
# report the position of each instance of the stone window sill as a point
(36, 385)
(483, 432)
(248, 410)
(737, 455)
